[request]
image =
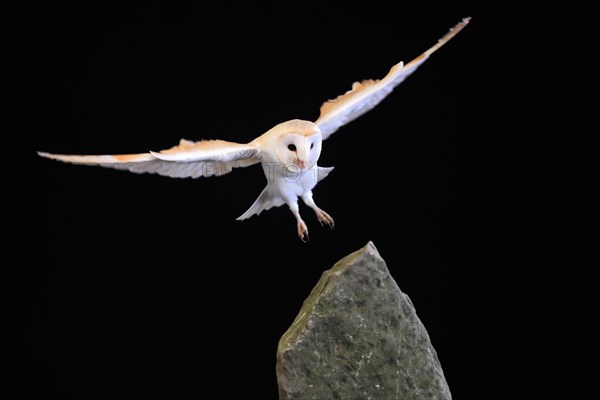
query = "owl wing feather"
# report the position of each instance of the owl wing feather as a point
(186, 160)
(365, 95)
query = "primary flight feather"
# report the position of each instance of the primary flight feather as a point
(288, 152)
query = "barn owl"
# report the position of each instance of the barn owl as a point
(288, 152)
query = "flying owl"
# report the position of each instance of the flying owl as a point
(288, 152)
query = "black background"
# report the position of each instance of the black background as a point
(149, 287)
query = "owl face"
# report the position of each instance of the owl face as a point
(299, 152)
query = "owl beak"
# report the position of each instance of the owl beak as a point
(300, 163)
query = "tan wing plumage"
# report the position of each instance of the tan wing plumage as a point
(186, 160)
(365, 95)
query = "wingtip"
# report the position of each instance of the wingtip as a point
(460, 25)
(43, 154)
(444, 39)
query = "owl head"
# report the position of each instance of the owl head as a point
(298, 145)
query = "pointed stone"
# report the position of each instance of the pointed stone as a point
(357, 336)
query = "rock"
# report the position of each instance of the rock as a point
(357, 336)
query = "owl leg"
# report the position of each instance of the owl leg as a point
(302, 229)
(322, 216)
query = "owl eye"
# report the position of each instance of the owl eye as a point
(291, 147)
(312, 145)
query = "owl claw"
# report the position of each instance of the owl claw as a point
(323, 217)
(303, 231)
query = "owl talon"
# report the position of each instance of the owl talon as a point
(303, 231)
(304, 237)
(323, 217)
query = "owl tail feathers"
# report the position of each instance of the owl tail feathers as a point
(322, 172)
(263, 202)
(266, 200)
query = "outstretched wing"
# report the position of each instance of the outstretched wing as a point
(365, 95)
(186, 160)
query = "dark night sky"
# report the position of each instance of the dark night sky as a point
(150, 288)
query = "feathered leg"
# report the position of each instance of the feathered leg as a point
(302, 229)
(322, 216)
